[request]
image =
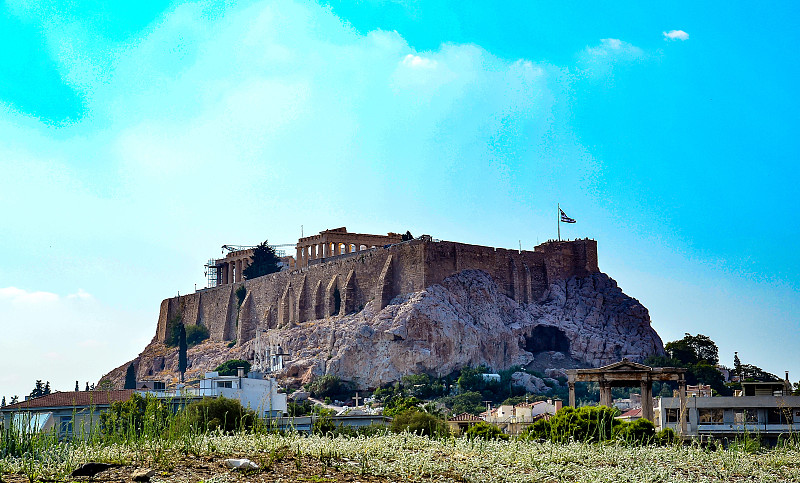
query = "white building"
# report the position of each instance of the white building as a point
(254, 391)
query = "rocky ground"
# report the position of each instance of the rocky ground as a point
(465, 321)
(208, 469)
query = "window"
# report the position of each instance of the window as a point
(159, 386)
(65, 425)
(745, 416)
(225, 384)
(672, 415)
(779, 416)
(710, 416)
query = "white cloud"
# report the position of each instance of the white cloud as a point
(19, 296)
(676, 35)
(600, 60)
(416, 61)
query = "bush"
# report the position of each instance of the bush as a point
(135, 417)
(195, 334)
(666, 437)
(418, 422)
(587, 424)
(221, 413)
(484, 430)
(468, 402)
(539, 431)
(640, 431)
(231, 367)
(398, 404)
(330, 386)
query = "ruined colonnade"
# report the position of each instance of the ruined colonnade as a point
(338, 241)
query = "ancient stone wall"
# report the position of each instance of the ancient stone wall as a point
(347, 283)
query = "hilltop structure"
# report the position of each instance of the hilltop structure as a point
(372, 308)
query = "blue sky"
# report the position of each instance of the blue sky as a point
(136, 139)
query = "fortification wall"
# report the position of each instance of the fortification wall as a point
(346, 284)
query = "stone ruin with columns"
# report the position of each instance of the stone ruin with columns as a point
(337, 273)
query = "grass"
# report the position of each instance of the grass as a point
(415, 458)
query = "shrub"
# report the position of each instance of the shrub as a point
(221, 413)
(640, 431)
(231, 367)
(665, 437)
(418, 422)
(195, 334)
(330, 386)
(540, 431)
(135, 417)
(398, 404)
(587, 424)
(484, 430)
(241, 293)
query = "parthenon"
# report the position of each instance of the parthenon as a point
(338, 241)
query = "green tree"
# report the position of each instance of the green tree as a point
(330, 386)
(130, 377)
(263, 262)
(483, 430)
(220, 413)
(693, 349)
(3, 404)
(14, 399)
(398, 404)
(231, 367)
(182, 351)
(419, 422)
(407, 236)
(40, 389)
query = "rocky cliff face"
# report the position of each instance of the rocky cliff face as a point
(465, 321)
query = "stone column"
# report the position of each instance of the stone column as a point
(647, 400)
(571, 394)
(605, 394)
(299, 256)
(222, 273)
(239, 277)
(683, 410)
(337, 249)
(312, 255)
(326, 249)
(347, 247)
(230, 271)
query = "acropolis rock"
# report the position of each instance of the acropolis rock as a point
(378, 313)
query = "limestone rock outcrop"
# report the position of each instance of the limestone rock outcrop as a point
(464, 321)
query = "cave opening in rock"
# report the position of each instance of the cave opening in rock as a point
(545, 338)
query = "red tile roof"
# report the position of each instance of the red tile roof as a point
(631, 413)
(465, 417)
(73, 399)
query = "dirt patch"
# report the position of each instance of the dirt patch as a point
(212, 469)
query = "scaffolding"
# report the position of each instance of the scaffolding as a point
(211, 273)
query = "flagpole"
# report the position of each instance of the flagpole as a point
(558, 215)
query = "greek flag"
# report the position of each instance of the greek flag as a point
(565, 218)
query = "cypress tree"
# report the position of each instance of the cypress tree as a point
(182, 348)
(130, 377)
(76, 386)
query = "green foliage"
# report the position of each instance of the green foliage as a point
(483, 430)
(299, 409)
(241, 293)
(467, 402)
(221, 413)
(640, 431)
(263, 262)
(173, 330)
(398, 404)
(666, 437)
(587, 424)
(40, 389)
(423, 386)
(196, 334)
(749, 372)
(693, 349)
(182, 351)
(135, 416)
(419, 422)
(130, 377)
(330, 386)
(407, 236)
(231, 367)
